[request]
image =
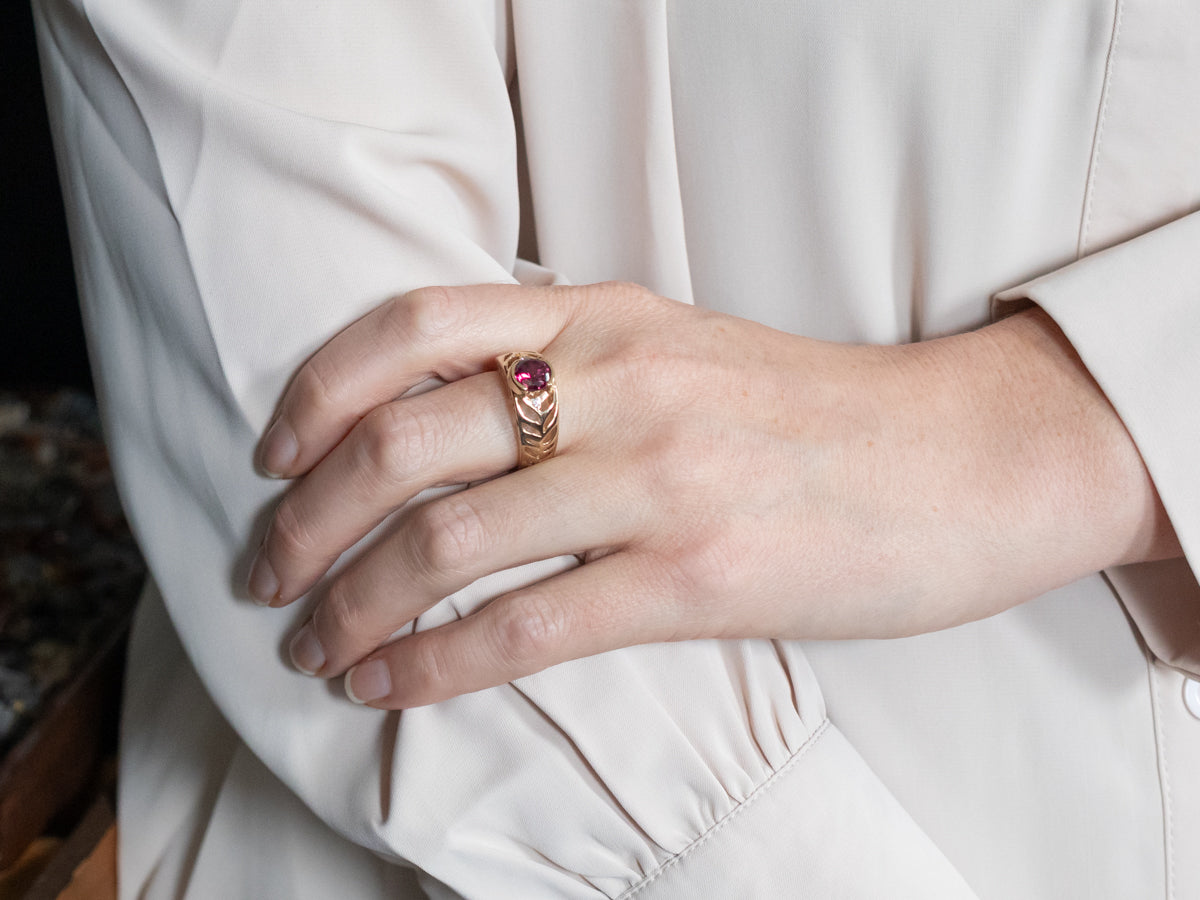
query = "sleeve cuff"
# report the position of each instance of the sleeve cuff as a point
(1132, 313)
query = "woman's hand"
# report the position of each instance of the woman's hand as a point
(718, 477)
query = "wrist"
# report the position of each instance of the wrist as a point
(1076, 476)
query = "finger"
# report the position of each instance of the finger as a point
(617, 601)
(550, 509)
(457, 433)
(444, 332)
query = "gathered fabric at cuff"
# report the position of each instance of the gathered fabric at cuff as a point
(822, 823)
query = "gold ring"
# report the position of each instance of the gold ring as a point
(530, 381)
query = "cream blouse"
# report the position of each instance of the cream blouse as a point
(244, 177)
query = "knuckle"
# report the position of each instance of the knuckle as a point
(708, 569)
(341, 612)
(425, 315)
(447, 535)
(670, 459)
(624, 290)
(395, 442)
(319, 384)
(427, 668)
(292, 532)
(629, 296)
(529, 630)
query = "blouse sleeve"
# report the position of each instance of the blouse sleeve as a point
(245, 177)
(1131, 304)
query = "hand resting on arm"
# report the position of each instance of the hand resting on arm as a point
(720, 479)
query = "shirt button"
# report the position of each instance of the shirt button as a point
(1191, 696)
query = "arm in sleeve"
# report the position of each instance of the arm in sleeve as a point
(1132, 312)
(245, 177)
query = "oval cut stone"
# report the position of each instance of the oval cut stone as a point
(531, 374)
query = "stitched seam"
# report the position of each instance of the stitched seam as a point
(1094, 162)
(1164, 779)
(717, 826)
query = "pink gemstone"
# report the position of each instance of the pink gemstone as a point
(531, 374)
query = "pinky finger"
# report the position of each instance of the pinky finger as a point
(617, 601)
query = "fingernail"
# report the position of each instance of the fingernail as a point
(306, 652)
(262, 584)
(368, 681)
(279, 449)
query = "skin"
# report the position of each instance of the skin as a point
(718, 478)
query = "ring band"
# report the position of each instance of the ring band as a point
(530, 381)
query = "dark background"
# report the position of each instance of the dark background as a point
(41, 340)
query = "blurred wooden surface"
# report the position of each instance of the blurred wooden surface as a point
(96, 877)
(17, 879)
(85, 866)
(52, 765)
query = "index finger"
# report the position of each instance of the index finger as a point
(432, 332)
